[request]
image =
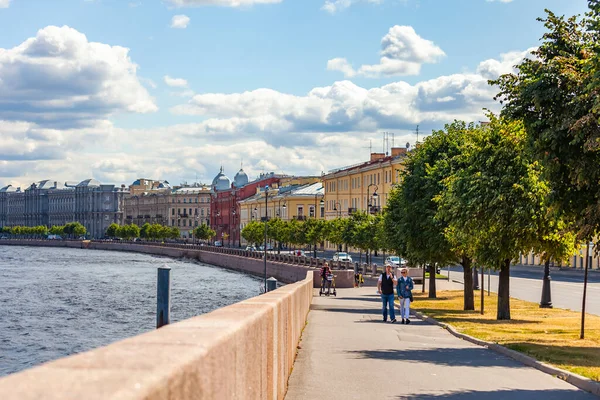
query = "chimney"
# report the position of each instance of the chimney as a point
(398, 151)
(377, 156)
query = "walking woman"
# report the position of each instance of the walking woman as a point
(385, 287)
(404, 289)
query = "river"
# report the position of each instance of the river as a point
(58, 301)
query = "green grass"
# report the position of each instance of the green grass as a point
(548, 335)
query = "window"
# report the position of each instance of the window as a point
(190, 213)
(184, 200)
(172, 211)
(300, 211)
(311, 211)
(202, 212)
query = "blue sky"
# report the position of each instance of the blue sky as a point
(291, 86)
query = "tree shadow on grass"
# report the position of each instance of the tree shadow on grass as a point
(575, 356)
(452, 356)
(450, 320)
(503, 394)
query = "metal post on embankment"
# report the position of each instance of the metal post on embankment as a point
(271, 284)
(163, 297)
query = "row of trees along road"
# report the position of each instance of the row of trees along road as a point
(528, 180)
(72, 229)
(155, 232)
(361, 231)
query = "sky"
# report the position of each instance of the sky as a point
(174, 89)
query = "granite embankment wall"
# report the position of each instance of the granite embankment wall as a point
(243, 351)
(284, 268)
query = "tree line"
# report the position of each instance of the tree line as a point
(361, 231)
(155, 232)
(72, 229)
(526, 181)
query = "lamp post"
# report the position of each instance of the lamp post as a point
(372, 197)
(235, 227)
(279, 207)
(338, 209)
(266, 221)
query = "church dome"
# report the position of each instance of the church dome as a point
(221, 182)
(240, 179)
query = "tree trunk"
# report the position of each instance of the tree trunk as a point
(503, 312)
(432, 291)
(469, 297)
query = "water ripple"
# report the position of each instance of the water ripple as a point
(66, 301)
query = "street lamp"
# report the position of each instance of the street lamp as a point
(279, 206)
(338, 209)
(372, 197)
(266, 221)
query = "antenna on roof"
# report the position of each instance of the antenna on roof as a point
(370, 147)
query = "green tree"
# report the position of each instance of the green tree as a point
(277, 232)
(335, 230)
(174, 233)
(316, 231)
(496, 202)
(556, 93)
(57, 230)
(145, 231)
(254, 232)
(204, 232)
(79, 230)
(111, 231)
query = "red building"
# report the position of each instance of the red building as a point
(225, 213)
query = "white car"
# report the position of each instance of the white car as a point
(340, 256)
(395, 261)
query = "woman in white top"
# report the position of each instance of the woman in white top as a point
(404, 289)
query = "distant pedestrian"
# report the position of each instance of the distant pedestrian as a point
(385, 287)
(325, 272)
(404, 289)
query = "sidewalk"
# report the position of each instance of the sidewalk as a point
(346, 352)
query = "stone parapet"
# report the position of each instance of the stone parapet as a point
(243, 351)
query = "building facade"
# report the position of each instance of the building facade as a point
(362, 187)
(61, 205)
(189, 207)
(299, 202)
(12, 205)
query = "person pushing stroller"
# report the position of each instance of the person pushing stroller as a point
(325, 272)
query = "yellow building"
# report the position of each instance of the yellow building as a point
(286, 202)
(365, 186)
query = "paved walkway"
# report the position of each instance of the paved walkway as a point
(346, 352)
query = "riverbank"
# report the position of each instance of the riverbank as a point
(284, 268)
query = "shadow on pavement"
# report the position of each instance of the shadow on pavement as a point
(342, 309)
(515, 394)
(364, 298)
(463, 357)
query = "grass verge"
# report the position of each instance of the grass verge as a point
(548, 335)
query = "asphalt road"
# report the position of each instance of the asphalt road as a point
(346, 352)
(566, 286)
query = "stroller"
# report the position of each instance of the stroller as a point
(330, 283)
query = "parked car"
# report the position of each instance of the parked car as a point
(218, 243)
(3, 237)
(250, 248)
(437, 270)
(396, 261)
(269, 247)
(341, 256)
(54, 237)
(298, 253)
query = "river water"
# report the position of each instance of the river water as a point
(55, 301)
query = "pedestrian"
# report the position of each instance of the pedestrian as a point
(404, 289)
(385, 288)
(325, 271)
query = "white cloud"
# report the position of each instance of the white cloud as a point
(325, 128)
(403, 52)
(175, 82)
(224, 3)
(180, 21)
(333, 6)
(4, 3)
(60, 79)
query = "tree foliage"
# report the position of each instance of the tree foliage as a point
(556, 95)
(204, 232)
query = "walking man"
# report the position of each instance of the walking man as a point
(385, 287)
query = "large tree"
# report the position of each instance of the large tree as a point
(556, 93)
(416, 229)
(496, 201)
(204, 232)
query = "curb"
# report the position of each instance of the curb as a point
(574, 379)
